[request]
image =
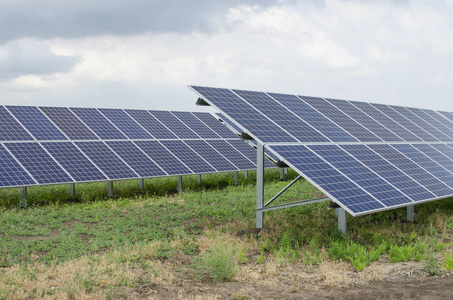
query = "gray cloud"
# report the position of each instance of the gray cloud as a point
(72, 19)
(28, 57)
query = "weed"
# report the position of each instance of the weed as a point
(448, 261)
(432, 264)
(400, 253)
(242, 257)
(218, 263)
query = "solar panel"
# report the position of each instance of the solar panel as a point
(226, 120)
(190, 158)
(233, 155)
(211, 155)
(11, 173)
(36, 123)
(106, 160)
(98, 123)
(377, 156)
(67, 122)
(196, 125)
(126, 124)
(151, 124)
(216, 126)
(250, 153)
(38, 163)
(10, 129)
(174, 124)
(74, 161)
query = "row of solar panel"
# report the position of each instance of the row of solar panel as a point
(280, 118)
(371, 177)
(31, 123)
(38, 163)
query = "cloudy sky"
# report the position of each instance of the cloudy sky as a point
(144, 53)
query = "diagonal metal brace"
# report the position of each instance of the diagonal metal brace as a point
(292, 204)
(282, 191)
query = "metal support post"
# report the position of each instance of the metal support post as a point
(282, 174)
(142, 184)
(410, 213)
(236, 178)
(259, 184)
(72, 189)
(110, 189)
(286, 171)
(199, 178)
(341, 213)
(246, 174)
(24, 196)
(179, 183)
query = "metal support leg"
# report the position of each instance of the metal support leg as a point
(246, 174)
(199, 178)
(236, 178)
(341, 213)
(410, 213)
(180, 183)
(142, 184)
(259, 184)
(110, 189)
(72, 189)
(24, 196)
(282, 174)
(286, 171)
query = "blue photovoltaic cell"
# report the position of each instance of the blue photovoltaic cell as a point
(98, 123)
(315, 119)
(151, 124)
(389, 112)
(196, 125)
(125, 123)
(365, 120)
(214, 158)
(436, 155)
(250, 152)
(236, 109)
(213, 123)
(361, 175)
(447, 115)
(383, 168)
(235, 128)
(445, 149)
(11, 173)
(38, 163)
(136, 159)
(426, 163)
(36, 123)
(74, 162)
(188, 156)
(393, 126)
(439, 122)
(175, 125)
(339, 187)
(342, 120)
(106, 160)
(413, 170)
(67, 122)
(166, 160)
(233, 155)
(10, 129)
(281, 116)
(422, 123)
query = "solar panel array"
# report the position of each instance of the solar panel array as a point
(366, 157)
(53, 145)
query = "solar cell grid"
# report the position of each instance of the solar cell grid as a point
(106, 160)
(36, 123)
(440, 121)
(229, 122)
(166, 160)
(214, 158)
(210, 121)
(447, 115)
(196, 125)
(190, 158)
(174, 124)
(430, 118)
(67, 122)
(151, 124)
(233, 155)
(236, 108)
(295, 126)
(314, 118)
(38, 163)
(11, 173)
(125, 123)
(73, 161)
(10, 129)
(435, 155)
(342, 120)
(98, 123)
(250, 152)
(136, 159)
(365, 120)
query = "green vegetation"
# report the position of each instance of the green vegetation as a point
(109, 244)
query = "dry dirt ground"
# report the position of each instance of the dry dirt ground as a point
(328, 280)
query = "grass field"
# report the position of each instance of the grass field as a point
(94, 247)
